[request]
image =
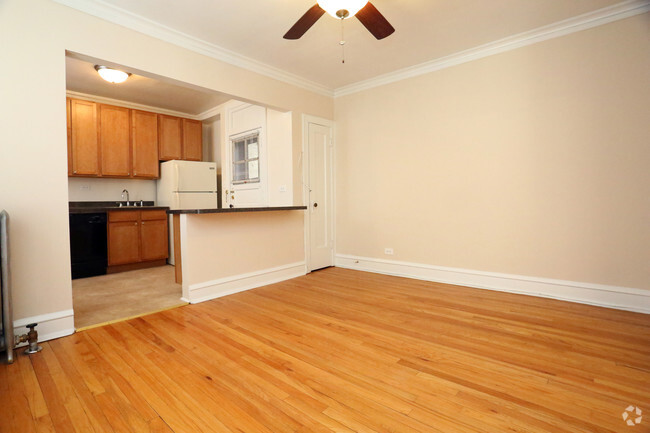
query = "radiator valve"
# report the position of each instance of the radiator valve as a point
(31, 338)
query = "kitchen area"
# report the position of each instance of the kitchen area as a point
(140, 153)
(124, 167)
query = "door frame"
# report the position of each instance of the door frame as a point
(306, 120)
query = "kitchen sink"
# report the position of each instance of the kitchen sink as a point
(134, 204)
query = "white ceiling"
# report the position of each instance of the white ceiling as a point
(82, 77)
(425, 30)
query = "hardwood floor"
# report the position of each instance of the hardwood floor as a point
(342, 351)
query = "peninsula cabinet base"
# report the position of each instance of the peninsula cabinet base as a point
(135, 266)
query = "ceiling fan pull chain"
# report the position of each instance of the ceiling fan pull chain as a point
(342, 43)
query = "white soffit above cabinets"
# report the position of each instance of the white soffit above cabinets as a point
(429, 35)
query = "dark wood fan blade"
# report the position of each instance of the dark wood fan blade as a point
(305, 22)
(374, 21)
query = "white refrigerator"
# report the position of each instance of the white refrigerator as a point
(186, 185)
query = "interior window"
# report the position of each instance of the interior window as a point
(245, 159)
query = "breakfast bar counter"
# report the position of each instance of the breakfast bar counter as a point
(222, 251)
(234, 210)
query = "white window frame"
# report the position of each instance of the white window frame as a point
(245, 137)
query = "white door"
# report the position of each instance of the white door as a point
(320, 203)
(248, 183)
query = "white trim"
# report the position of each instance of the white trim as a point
(126, 104)
(152, 28)
(182, 226)
(306, 120)
(50, 326)
(561, 28)
(622, 298)
(208, 290)
(214, 111)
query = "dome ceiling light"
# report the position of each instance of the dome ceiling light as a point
(112, 75)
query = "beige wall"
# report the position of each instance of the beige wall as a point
(104, 189)
(217, 246)
(533, 162)
(33, 167)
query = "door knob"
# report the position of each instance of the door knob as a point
(315, 204)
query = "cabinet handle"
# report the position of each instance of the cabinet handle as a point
(142, 222)
(75, 172)
(136, 224)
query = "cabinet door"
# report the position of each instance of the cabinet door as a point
(154, 237)
(169, 137)
(84, 141)
(68, 116)
(192, 140)
(123, 242)
(145, 144)
(115, 140)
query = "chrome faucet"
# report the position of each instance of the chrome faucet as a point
(125, 191)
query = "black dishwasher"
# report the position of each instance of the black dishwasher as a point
(88, 244)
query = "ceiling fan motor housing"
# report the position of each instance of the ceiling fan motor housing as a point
(342, 13)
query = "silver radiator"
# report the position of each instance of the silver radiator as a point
(6, 322)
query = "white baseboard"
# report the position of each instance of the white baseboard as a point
(201, 292)
(622, 298)
(50, 326)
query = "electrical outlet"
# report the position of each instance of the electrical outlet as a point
(388, 251)
(283, 188)
(85, 187)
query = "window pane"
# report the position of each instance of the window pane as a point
(252, 149)
(239, 171)
(238, 151)
(253, 169)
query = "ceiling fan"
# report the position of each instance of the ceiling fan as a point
(365, 11)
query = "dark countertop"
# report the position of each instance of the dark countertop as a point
(235, 210)
(105, 206)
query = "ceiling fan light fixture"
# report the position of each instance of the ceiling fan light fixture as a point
(112, 75)
(336, 8)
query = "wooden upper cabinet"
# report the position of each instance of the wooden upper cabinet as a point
(144, 144)
(115, 140)
(169, 137)
(68, 116)
(106, 140)
(84, 141)
(192, 140)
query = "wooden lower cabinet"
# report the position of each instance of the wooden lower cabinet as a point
(154, 235)
(137, 237)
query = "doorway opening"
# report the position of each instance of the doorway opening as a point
(120, 235)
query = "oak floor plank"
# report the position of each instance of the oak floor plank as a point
(53, 398)
(31, 389)
(20, 420)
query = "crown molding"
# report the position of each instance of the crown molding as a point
(127, 104)
(152, 28)
(561, 28)
(105, 11)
